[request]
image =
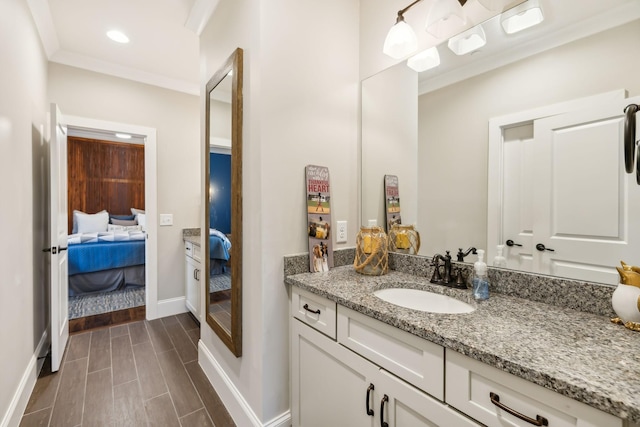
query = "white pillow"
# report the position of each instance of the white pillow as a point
(135, 211)
(90, 223)
(142, 220)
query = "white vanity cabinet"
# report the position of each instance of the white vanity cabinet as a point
(334, 386)
(495, 397)
(193, 272)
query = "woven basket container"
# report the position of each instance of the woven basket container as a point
(372, 251)
(404, 239)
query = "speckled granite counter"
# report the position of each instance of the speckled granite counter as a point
(580, 355)
(191, 235)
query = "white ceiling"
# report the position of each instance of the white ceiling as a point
(164, 37)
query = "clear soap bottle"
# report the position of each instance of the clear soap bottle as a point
(499, 260)
(480, 280)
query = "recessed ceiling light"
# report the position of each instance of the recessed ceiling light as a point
(123, 136)
(117, 36)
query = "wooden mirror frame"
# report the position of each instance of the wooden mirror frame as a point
(232, 338)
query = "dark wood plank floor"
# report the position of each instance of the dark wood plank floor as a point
(144, 373)
(220, 308)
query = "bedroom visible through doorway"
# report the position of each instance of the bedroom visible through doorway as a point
(106, 202)
(112, 189)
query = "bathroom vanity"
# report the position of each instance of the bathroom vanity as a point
(359, 360)
(193, 270)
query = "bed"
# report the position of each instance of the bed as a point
(219, 254)
(106, 261)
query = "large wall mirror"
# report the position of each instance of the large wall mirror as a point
(432, 130)
(223, 201)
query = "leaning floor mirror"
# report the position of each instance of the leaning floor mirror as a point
(223, 201)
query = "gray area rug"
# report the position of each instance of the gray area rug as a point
(219, 282)
(89, 305)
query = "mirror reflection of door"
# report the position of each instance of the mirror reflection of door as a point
(219, 200)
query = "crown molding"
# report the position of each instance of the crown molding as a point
(116, 70)
(201, 12)
(41, 14)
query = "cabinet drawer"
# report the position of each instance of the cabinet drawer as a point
(188, 249)
(470, 385)
(314, 310)
(196, 253)
(411, 358)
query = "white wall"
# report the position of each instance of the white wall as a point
(23, 202)
(453, 130)
(390, 142)
(175, 116)
(301, 107)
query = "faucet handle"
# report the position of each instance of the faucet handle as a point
(435, 277)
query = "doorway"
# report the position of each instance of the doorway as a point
(87, 126)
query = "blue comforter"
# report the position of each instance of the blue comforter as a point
(98, 256)
(218, 247)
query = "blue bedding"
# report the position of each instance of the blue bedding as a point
(98, 256)
(218, 247)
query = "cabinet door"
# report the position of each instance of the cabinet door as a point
(192, 291)
(329, 382)
(405, 405)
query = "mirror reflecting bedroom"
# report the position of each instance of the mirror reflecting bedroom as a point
(106, 225)
(220, 203)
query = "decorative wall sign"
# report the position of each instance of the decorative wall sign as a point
(319, 218)
(392, 201)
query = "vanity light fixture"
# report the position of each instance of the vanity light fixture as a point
(521, 17)
(425, 60)
(401, 40)
(472, 39)
(118, 36)
(445, 17)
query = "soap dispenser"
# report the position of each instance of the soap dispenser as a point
(480, 280)
(499, 260)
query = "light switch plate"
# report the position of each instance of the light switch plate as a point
(166, 219)
(341, 236)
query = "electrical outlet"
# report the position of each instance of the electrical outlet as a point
(341, 236)
(373, 223)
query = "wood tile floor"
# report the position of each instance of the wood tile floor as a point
(144, 373)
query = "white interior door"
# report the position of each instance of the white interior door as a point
(584, 202)
(518, 181)
(58, 227)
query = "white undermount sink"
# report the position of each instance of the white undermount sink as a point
(417, 299)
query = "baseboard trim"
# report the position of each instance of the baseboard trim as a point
(27, 383)
(282, 420)
(171, 306)
(238, 407)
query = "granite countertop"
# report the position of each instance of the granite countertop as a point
(193, 239)
(577, 354)
(191, 235)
